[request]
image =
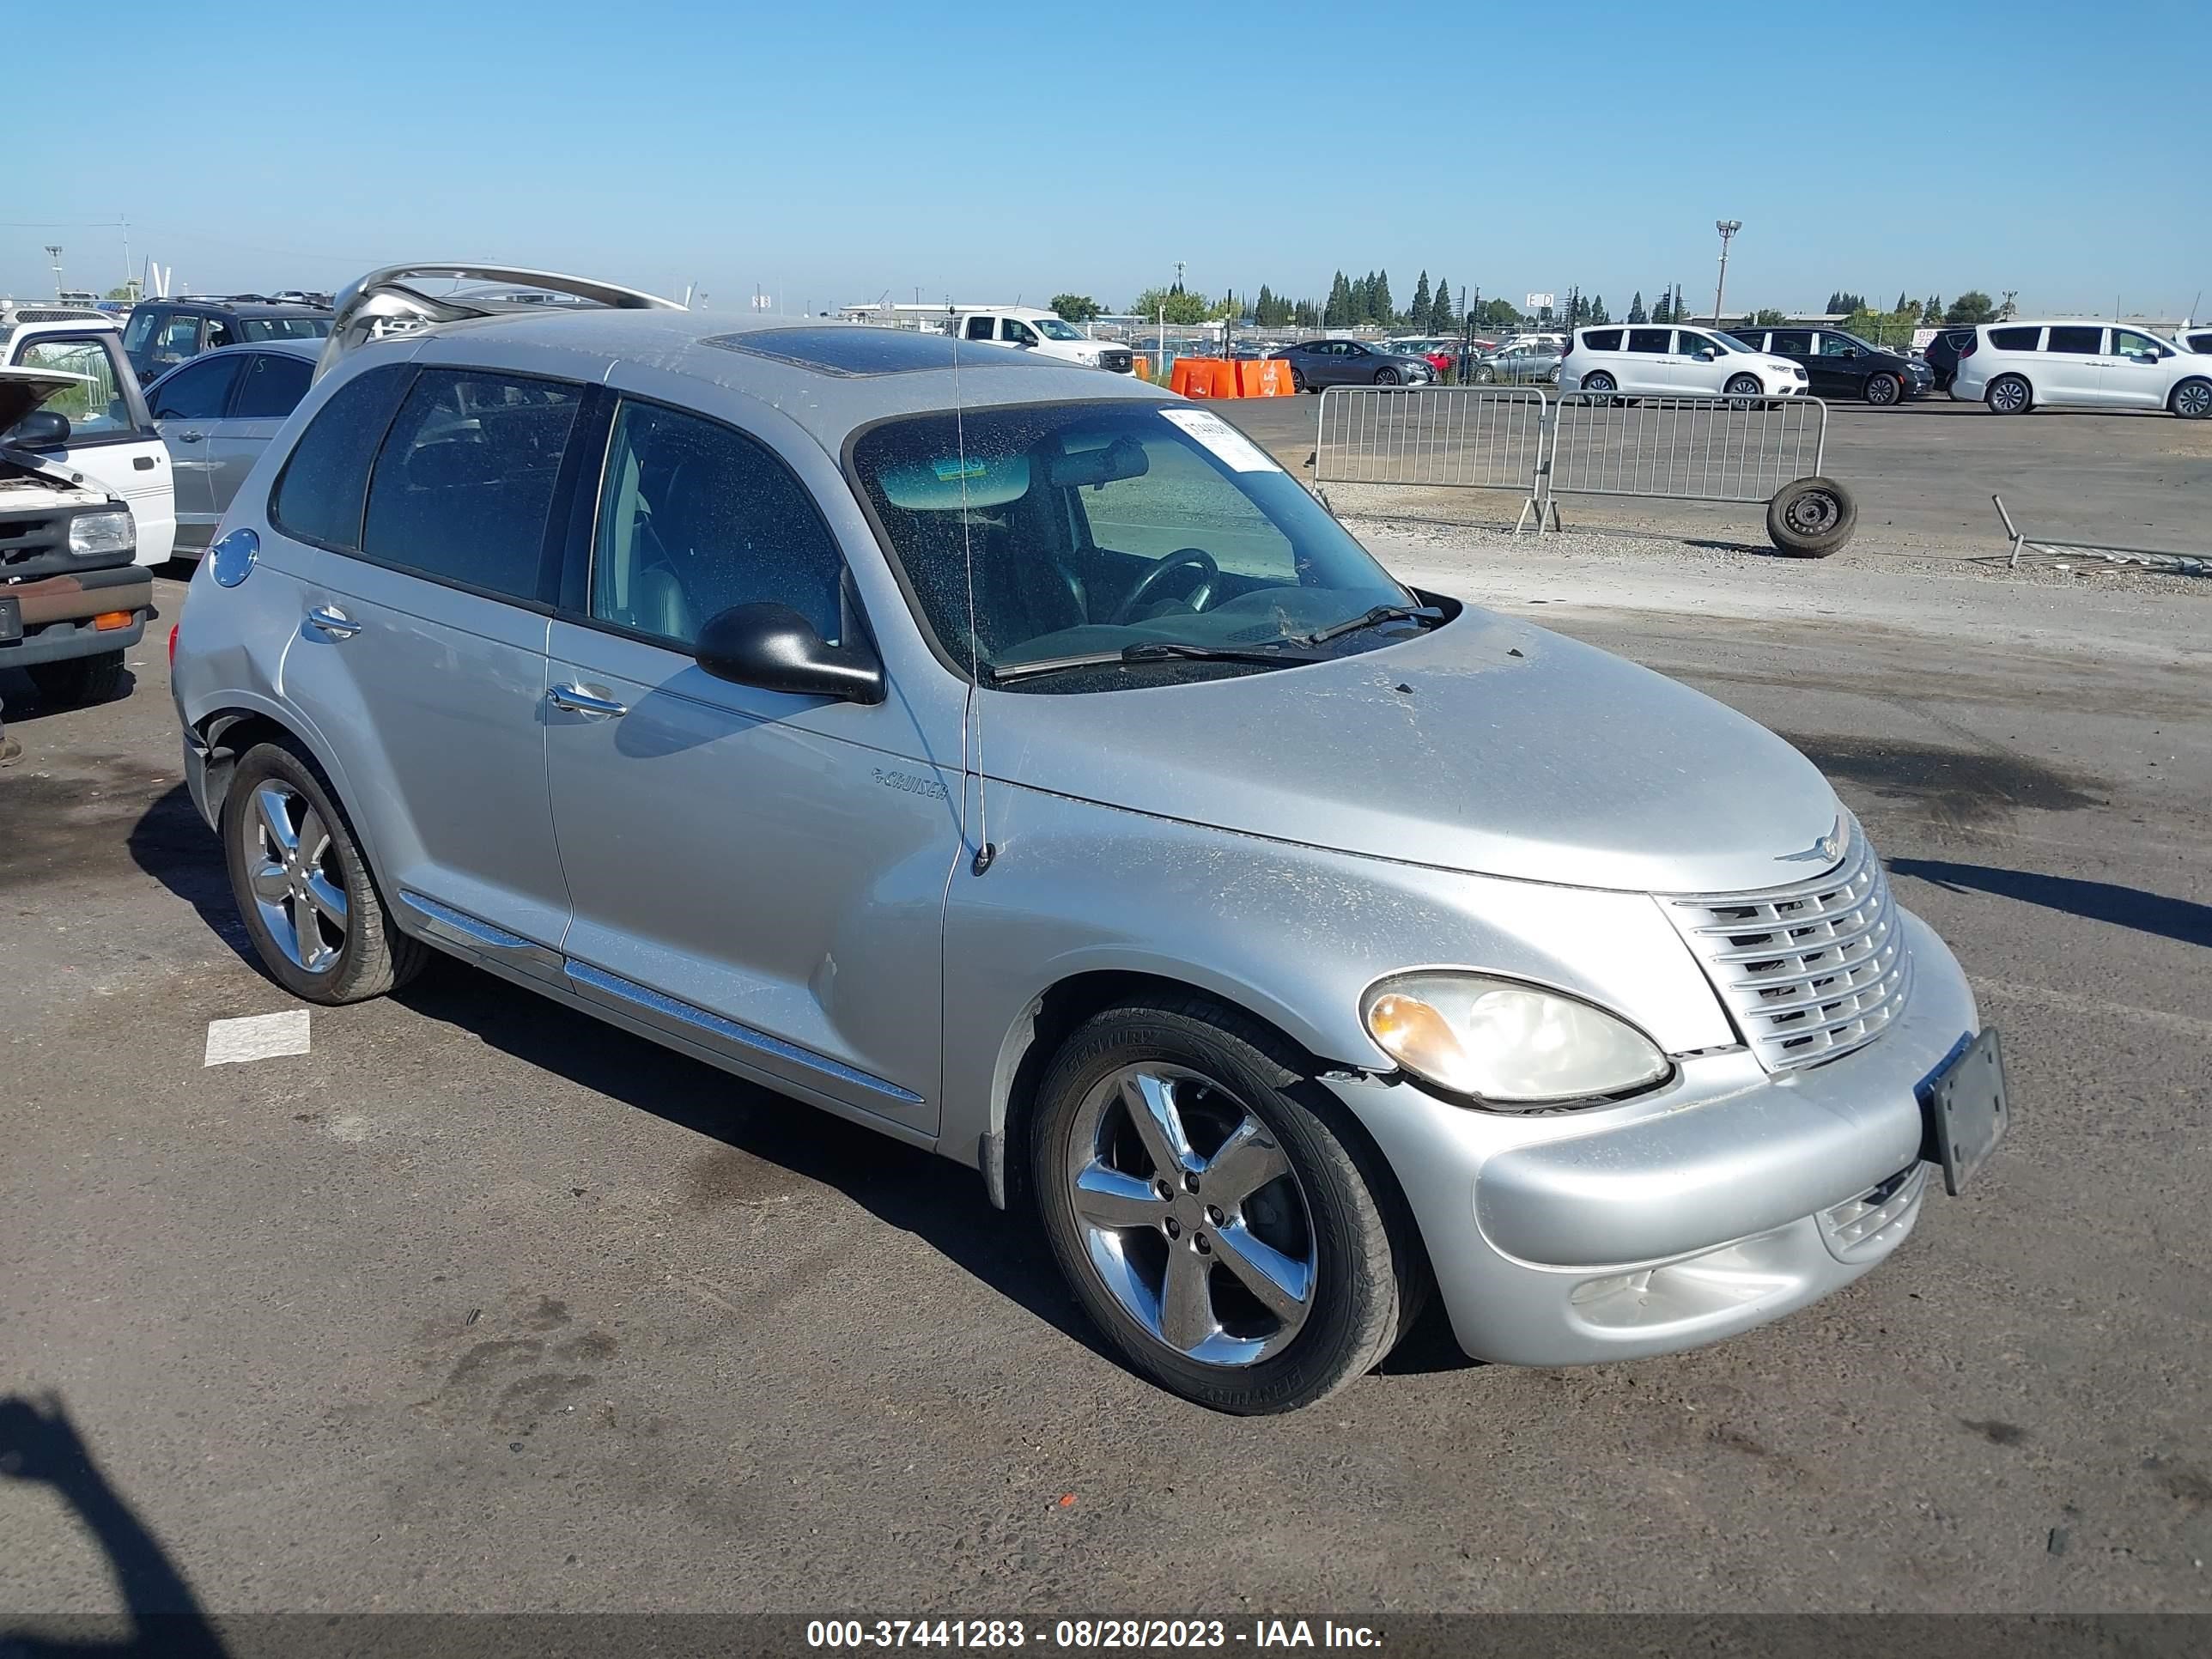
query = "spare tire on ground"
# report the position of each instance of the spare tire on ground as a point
(1811, 518)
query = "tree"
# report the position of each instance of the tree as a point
(1179, 307)
(1931, 310)
(1843, 303)
(1077, 307)
(1598, 313)
(1659, 312)
(1305, 315)
(1900, 306)
(1418, 316)
(1636, 311)
(1383, 311)
(1443, 316)
(1971, 306)
(1768, 318)
(1337, 313)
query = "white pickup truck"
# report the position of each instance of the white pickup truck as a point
(1042, 331)
(110, 437)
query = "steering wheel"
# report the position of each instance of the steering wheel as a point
(1183, 558)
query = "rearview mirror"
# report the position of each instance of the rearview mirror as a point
(1124, 457)
(42, 428)
(772, 647)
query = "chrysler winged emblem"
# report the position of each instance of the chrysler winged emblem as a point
(1826, 850)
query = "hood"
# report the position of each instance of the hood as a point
(22, 390)
(1485, 745)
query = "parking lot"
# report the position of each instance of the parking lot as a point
(476, 1306)
(1922, 473)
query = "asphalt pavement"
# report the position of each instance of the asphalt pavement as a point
(479, 1305)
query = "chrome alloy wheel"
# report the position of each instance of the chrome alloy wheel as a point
(2192, 399)
(297, 886)
(1191, 1214)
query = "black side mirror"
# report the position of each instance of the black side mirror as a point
(773, 647)
(42, 428)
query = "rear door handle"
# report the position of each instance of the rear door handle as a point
(330, 620)
(578, 700)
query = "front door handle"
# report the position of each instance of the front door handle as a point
(578, 700)
(190, 437)
(330, 620)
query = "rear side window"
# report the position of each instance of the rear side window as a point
(2078, 342)
(2013, 339)
(1793, 341)
(464, 483)
(319, 496)
(1601, 339)
(1654, 340)
(270, 388)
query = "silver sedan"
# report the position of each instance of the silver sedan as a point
(215, 415)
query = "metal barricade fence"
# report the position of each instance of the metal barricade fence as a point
(1448, 437)
(1689, 449)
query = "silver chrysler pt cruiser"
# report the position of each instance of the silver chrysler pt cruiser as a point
(1015, 759)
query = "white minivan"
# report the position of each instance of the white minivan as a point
(1678, 362)
(2014, 366)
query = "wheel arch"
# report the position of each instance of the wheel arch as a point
(2173, 393)
(222, 737)
(1047, 1020)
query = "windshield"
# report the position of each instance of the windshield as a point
(1093, 527)
(285, 328)
(1054, 329)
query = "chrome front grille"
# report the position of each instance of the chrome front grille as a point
(1811, 971)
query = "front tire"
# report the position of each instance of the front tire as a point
(1385, 377)
(1744, 386)
(79, 681)
(2008, 394)
(302, 887)
(1883, 390)
(2191, 399)
(1216, 1212)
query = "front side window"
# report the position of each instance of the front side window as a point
(1833, 344)
(197, 391)
(2077, 342)
(2014, 339)
(462, 486)
(319, 494)
(100, 410)
(271, 386)
(1019, 333)
(1651, 342)
(1687, 344)
(2126, 343)
(695, 517)
(1090, 527)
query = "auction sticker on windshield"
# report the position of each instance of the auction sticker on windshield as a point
(1227, 444)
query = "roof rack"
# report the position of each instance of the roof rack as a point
(384, 301)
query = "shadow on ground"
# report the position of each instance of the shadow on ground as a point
(2099, 901)
(40, 1446)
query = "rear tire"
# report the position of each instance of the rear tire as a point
(79, 681)
(2191, 399)
(370, 957)
(1298, 382)
(1331, 1212)
(1811, 518)
(2008, 394)
(1883, 390)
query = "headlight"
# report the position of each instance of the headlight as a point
(107, 530)
(1507, 1043)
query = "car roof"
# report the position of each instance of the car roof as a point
(832, 378)
(237, 307)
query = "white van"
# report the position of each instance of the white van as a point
(1678, 362)
(2014, 366)
(111, 437)
(1044, 332)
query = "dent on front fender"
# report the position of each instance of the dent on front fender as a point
(1291, 934)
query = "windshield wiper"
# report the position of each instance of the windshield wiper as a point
(1372, 617)
(1145, 651)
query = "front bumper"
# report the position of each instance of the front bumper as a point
(57, 615)
(1726, 1199)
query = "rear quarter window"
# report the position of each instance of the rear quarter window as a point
(2014, 339)
(319, 494)
(1601, 339)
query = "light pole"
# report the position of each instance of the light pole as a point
(54, 253)
(1727, 228)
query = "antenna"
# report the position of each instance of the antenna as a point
(971, 709)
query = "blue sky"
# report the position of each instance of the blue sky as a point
(834, 153)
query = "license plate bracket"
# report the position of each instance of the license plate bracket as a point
(1965, 1110)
